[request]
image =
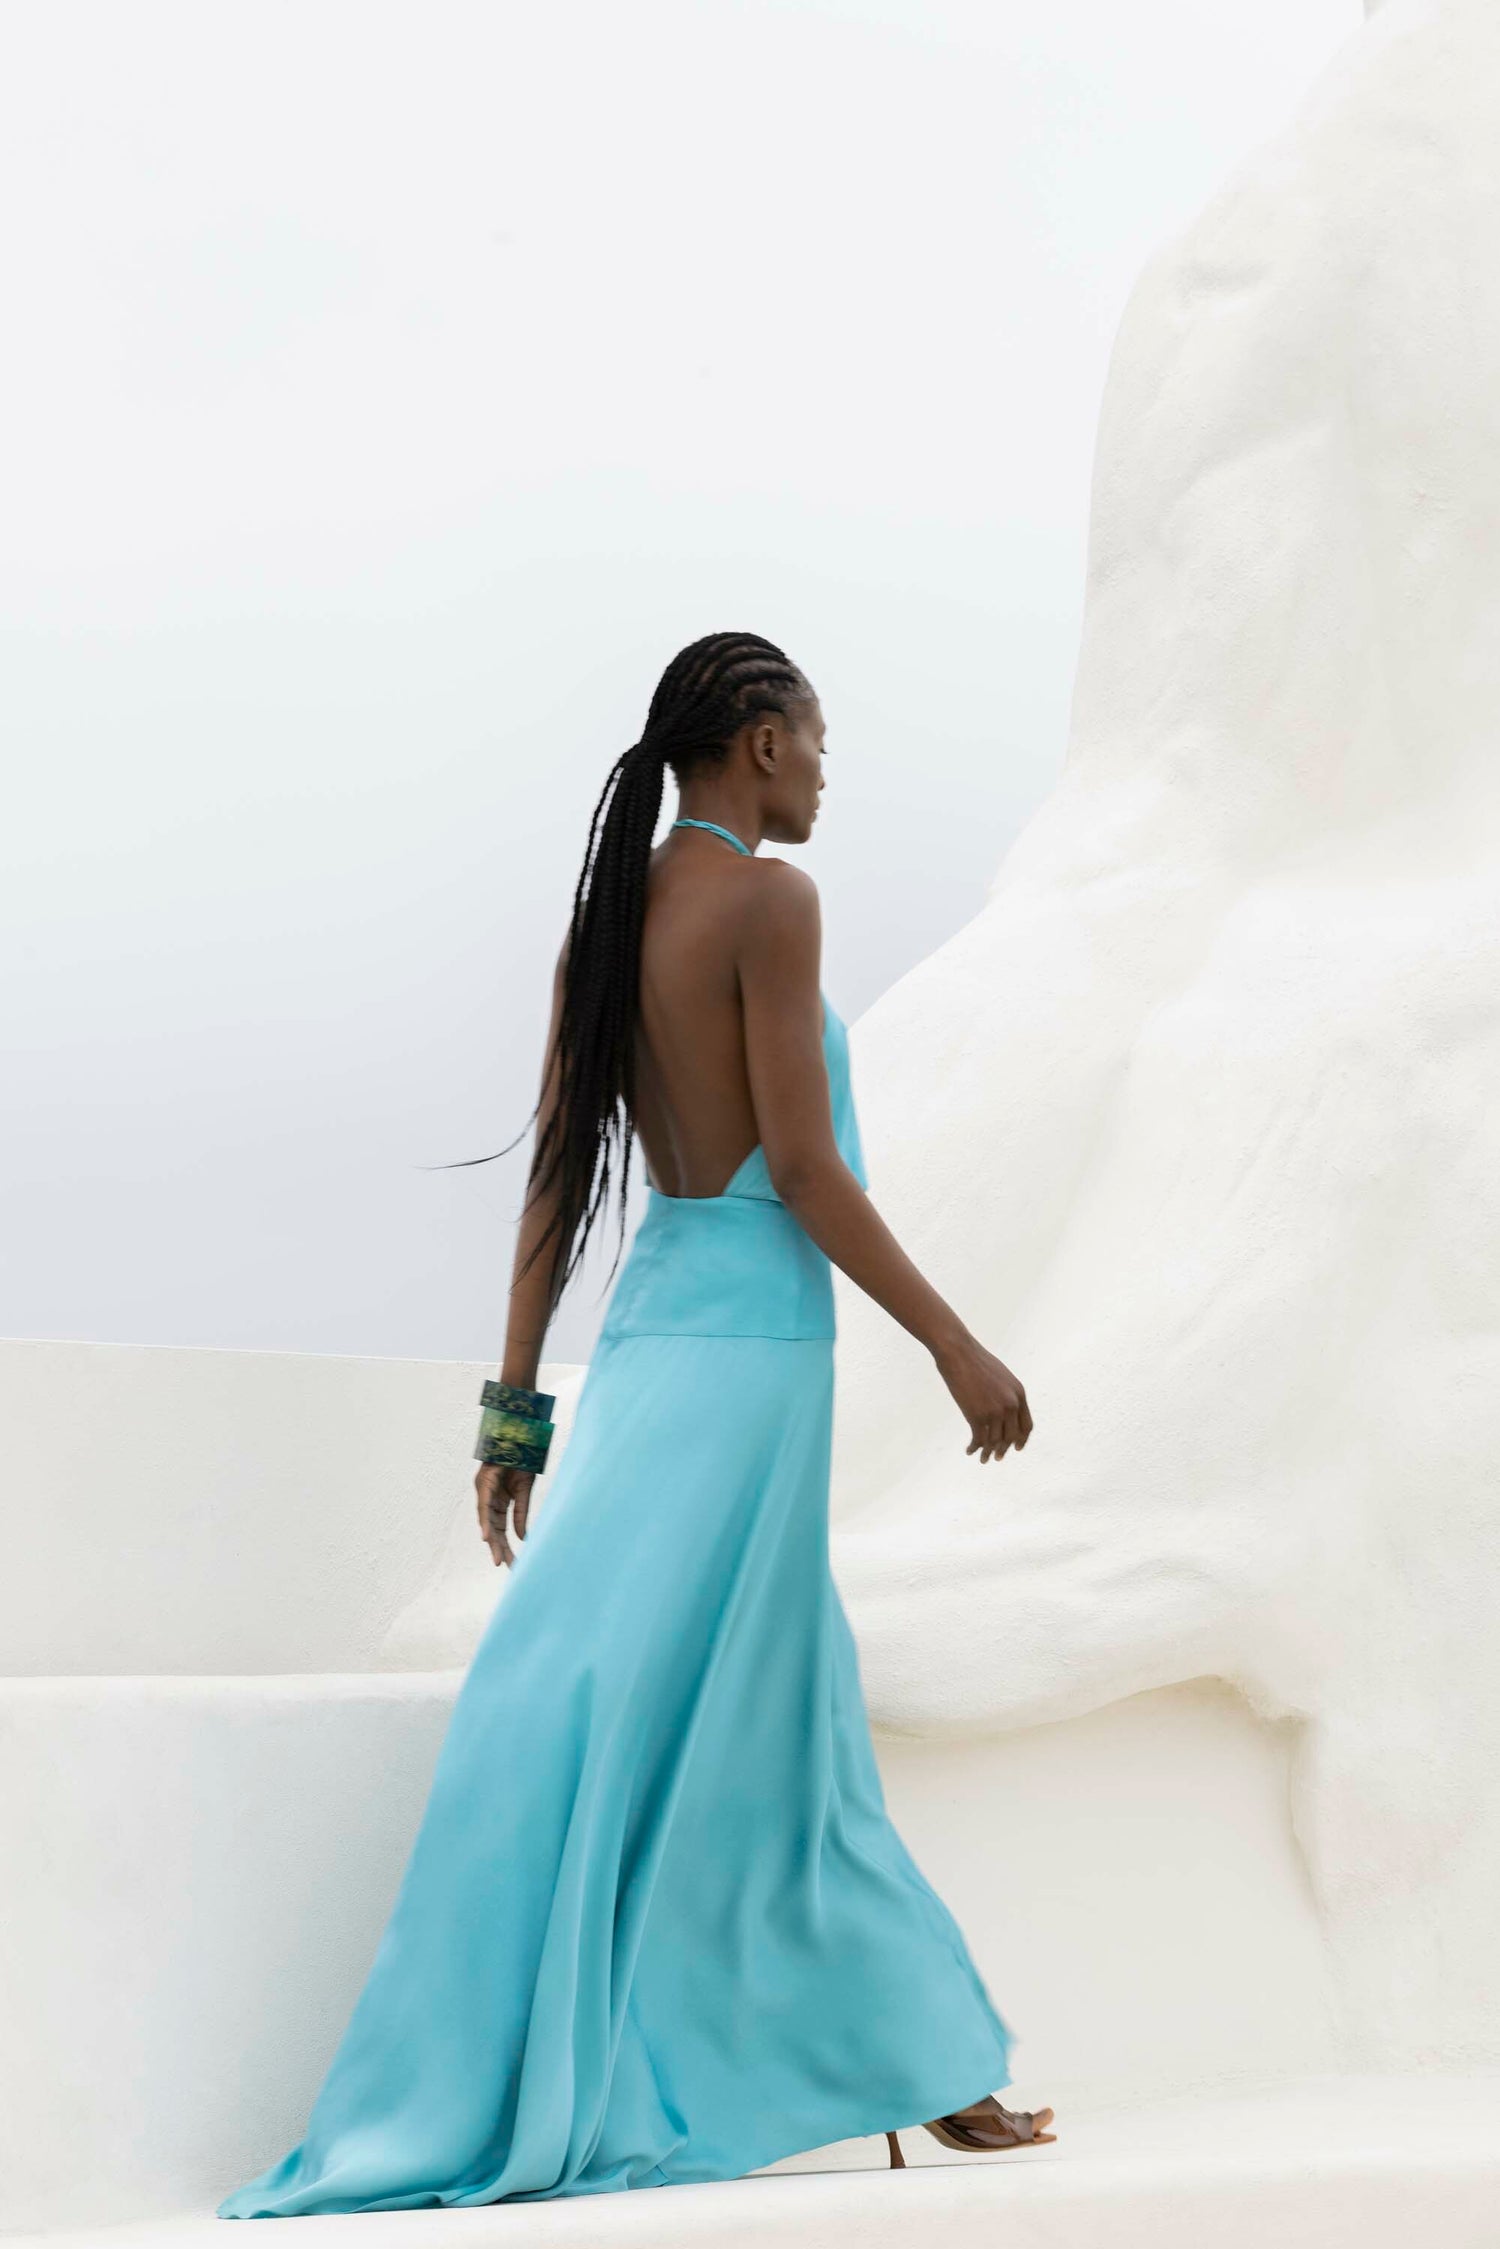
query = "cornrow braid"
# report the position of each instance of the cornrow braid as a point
(706, 694)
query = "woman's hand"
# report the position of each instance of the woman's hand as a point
(988, 1396)
(503, 1493)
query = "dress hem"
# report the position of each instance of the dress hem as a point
(833, 2132)
(863, 2131)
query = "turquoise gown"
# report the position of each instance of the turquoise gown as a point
(656, 1925)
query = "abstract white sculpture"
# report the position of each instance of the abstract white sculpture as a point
(1197, 1120)
(1192, 1123)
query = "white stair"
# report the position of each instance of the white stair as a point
(1329, 2163)
(197, 1867)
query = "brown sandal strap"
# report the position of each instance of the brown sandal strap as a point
(1021, 2126)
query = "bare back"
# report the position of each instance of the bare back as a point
(695, 1117)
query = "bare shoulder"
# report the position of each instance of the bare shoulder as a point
(781, 914)
(780, 892)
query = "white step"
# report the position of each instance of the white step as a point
(201, 1869)
(1325, 2163)
(266, 1511)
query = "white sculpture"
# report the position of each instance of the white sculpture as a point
(1192, 1124)
(1197, 1120)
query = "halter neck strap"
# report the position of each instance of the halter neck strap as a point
(714, 829)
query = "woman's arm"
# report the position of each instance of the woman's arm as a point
(780, 984)
(505, 1493)
(532, 1294)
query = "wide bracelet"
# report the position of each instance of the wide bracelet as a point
(514, 1429)
(511, 1398)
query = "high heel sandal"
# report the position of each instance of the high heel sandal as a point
(983, 2129)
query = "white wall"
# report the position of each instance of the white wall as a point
(1196, 1120)
(389, 392)
(216, 1511)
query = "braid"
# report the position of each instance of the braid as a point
(706, 694)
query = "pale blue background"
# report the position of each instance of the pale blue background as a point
(390, 392)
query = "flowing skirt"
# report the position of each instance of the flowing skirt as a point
(656, 1925)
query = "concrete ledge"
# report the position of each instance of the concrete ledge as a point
(1325, 2163)
(267, 1511)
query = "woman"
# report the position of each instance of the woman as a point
(656, 1925)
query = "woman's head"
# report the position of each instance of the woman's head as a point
(733, 708)
(730, 704)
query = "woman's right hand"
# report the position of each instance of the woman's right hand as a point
(503, 1494)
(988, 1395)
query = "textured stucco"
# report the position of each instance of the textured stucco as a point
(1196, 1120)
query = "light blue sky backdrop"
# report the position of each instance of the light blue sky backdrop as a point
(390, 392)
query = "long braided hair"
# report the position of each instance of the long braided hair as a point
(707, 693)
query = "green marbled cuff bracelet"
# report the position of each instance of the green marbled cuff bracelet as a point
(513, 1440)
(511, 1398)
(514, 1431)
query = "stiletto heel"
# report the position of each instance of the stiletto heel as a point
(898, 2160)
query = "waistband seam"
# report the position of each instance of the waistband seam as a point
(724, 1335)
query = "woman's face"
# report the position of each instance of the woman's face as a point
(790, 804)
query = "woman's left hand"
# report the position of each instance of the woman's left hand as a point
(504, 1496)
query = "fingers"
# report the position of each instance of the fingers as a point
(494, 1500)
(994, 1404)
(993, 1434)
(989, 1439)
(499, 1544)
(504, 1510)
(496, 1506)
